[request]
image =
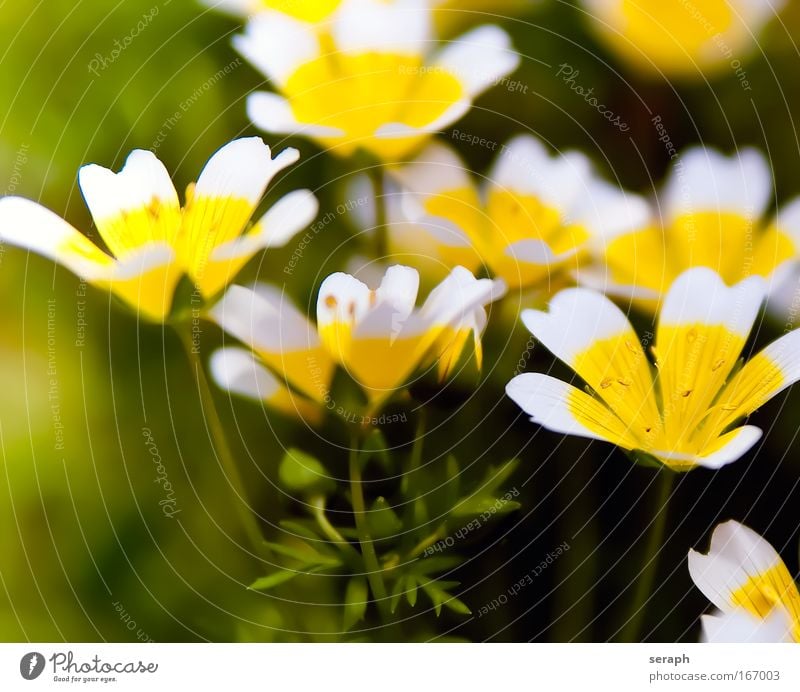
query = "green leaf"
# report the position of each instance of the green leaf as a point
(301, 473)
(274, 579)
(429, 565)
(305, 554)
(438, 593)
(303, 530)
(355, 601)
(411, 591)
(382, 519)
(397, 592)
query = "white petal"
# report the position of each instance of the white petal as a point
(533, 251)
(395, 300)
(576, 319)
(401, 26)
(699, 295)
(736, 555)
(238, 371)
(264, 319)
(29, 225)
(479, 58)
(273, 113)
(706, 180)
(141, 260)
(242, 169)
(740, 627)
(608, 211)
(277, 45)
(239, 8)
(289, 215)
(342, 299)
(737, 443)
(458, 295)
(436, 168)
(524, 166)
(142, 179)
(545, 399)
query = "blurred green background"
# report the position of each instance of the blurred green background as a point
(85, 548)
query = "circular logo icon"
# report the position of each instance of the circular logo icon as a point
(32, 665)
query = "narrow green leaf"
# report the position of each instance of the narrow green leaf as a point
(273, 580)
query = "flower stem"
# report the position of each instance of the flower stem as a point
(655, 542)
(223, 452)
(318, 508)
(371, 564)
(380, 233)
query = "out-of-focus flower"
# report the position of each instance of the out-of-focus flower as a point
(682, 416)
(371, 80)
(378, 336)
(681, 37)
(711, 214)
(304, 10)
(152, 241)
(529, 222)
(745, 578)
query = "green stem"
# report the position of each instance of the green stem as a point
(380, 234)
(222, 449)
(655, 543)
(318, 507)
(373, 567)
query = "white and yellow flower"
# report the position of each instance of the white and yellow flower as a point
(685, 414)
(377, 335)
(150, 240)
(304, 10)
(370, 81)
(746, 579)
(679, 38)
(712, 214)
(528, 222)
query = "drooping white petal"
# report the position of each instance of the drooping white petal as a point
(29, 225)
(237, 371)
(264, 319)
